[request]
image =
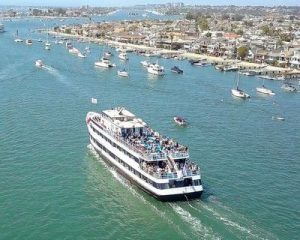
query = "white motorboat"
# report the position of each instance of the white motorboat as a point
(104, 62)
(47, 45)
(123, 56)
(18, 40)
(28, 42)
(157, 164)
(108, 54)
(156, 69)
(81, 55)
(145, 63)
(39, 63)
(288, 87)
(123, 73)
(201, 63)
(248, 73)
(74, 51)
(265, 90)
(231, 68)
(180, 121)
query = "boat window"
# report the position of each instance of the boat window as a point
(164, 186)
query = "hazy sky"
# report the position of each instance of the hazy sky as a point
(134, 2)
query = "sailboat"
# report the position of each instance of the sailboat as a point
(123, 72)
(17, 39)
(47, 44)
(264, 90)
(237, 92)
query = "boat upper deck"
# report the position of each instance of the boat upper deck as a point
(136, 135)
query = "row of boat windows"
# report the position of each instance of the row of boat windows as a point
(171, 184)
(115, 145)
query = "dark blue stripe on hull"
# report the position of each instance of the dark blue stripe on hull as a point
(168, 198)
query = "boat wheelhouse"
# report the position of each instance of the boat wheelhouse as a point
(157, 164)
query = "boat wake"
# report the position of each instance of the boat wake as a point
(239, 224)
(199, 229)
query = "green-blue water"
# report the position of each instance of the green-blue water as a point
(53, 187)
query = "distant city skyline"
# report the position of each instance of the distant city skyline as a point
(95, 3)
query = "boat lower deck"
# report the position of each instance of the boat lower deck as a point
(169, 197)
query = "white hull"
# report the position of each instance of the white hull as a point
(123, 56)
(239, 94)
(155, 69)
(123, 74)
(80, 55)
(18, 40)
(103, 65)
(145, 63)
(28, 42)
(265, 90)
(74, 51)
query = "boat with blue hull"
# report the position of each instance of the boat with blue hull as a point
(157, 164)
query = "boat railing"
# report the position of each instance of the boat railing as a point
(178, 155)
(160, 174)
(147, 156)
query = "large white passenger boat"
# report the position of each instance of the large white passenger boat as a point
(157, 164)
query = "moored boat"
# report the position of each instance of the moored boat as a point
(145, 63)
(156, 69)
(265, 90)
(123, 73)
(288, 87)
(81, 55)
(104, 62)
(157, 164)
(239, 93)
(176, 69)
(123, 56)
(28, 42)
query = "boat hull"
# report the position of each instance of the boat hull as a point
(239, 94)
(264, 91)
(164, 198)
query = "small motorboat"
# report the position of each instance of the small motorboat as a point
(108, 54)
(176, 69)
(123, 73)
(145, 63)
(81, 55)
(180, 121)
(39, 63)
(288, 87)
(28, 42)
(123, 56)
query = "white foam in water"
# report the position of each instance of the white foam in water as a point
(125, 183)
(231, 223)
(196, 224)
